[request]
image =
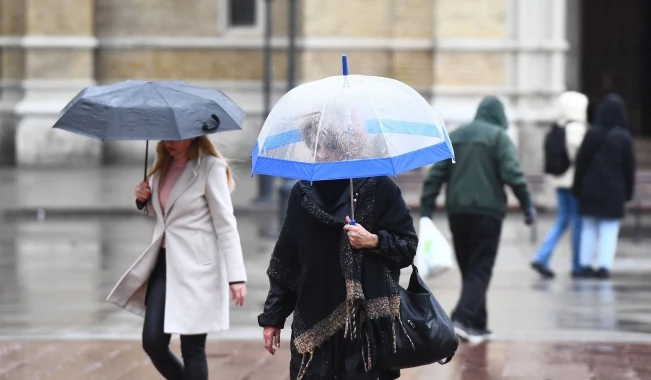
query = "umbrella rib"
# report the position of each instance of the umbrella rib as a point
(316, 142)
(436, 117)
(384, 137)
(203, 98)
(168, 104)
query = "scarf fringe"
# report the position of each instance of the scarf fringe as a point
(304, 366)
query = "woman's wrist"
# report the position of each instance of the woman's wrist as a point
(375, 241)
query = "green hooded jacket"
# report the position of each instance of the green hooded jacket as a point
(486, 160)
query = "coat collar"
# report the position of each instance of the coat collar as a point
(344, 200)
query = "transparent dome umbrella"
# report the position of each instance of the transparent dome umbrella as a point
(146, 110)
(350, 126)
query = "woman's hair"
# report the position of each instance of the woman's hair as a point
(329, 132)
(201, 146)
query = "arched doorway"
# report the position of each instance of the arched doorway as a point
(615, 56)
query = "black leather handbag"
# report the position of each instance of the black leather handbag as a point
(425, 334)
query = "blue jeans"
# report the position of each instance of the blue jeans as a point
(599, 235)
(568, 213)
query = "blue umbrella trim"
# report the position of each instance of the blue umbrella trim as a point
(372, 127)
(390, 166)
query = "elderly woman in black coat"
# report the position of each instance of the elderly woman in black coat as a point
(604, 181)
(340, 280)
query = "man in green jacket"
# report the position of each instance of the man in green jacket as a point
(476, 203)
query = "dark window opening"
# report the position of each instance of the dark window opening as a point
(242, 12)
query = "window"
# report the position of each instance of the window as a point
(242, 13)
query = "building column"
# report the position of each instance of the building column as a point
(59, 62)
(538, 72)
(12, 28)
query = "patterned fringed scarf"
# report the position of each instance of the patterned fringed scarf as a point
(371, 305)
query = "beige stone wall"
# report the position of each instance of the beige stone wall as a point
(174, 18)
(63, 17)
(474, 20)
(347, 18)
(317, 64)
(481, 19)
(409, 19)
(413, 19)
(470, 69)
(12, 17)
(60, 64)
(190, 64)
(413, 68)
(12, 63)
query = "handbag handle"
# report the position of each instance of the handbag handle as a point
(446, 360)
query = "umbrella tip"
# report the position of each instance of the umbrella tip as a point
(344, 64)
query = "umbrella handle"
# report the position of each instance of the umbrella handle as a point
(353, 200)
(146, 160)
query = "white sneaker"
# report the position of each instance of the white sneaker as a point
(468, 334)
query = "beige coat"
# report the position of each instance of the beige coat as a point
(204, 253)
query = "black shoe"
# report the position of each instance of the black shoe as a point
(586, 272)
(602, 274)
(542, 270)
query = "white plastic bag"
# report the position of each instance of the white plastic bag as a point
(434, 254)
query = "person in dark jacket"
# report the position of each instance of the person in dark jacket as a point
(340, 280)
(604, 181)
(487, 160)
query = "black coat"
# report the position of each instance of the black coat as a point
(605, 165)
(314, 275)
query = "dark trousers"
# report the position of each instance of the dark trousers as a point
(476, 240)
(156, 342)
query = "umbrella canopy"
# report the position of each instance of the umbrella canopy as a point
(350, 126)
(145, 110)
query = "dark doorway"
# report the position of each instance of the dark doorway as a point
(616, 54)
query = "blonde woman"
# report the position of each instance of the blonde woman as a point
(180, 284)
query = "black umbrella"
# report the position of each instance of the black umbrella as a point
(145, 110)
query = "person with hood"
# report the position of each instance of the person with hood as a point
(561, 147)
(476, 205)
(604, 181)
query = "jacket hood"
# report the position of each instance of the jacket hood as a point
(611, 112)
(491, 111)
(573, 106)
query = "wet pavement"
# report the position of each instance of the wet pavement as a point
(54, 323)
(244, 360)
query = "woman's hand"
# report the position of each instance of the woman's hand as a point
(239, 293)
(359, 238)
(143, 191)
(271, 337)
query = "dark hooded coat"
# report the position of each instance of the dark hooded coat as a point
(487, 160)
(605, 165)
(315, 274)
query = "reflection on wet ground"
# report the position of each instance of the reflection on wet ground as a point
(240, 360)
(55, 275)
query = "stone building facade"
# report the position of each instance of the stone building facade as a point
(453, 51)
